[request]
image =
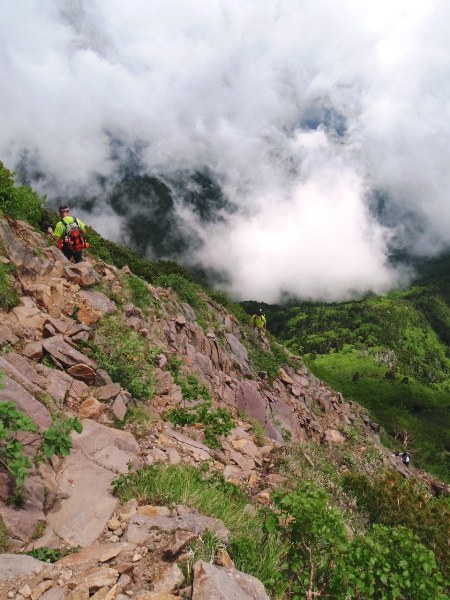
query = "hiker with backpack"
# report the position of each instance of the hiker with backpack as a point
(69, 235)
(405, 456)
(259, 322)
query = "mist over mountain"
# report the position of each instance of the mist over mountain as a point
(288, 147)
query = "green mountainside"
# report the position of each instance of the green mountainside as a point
(391, 354)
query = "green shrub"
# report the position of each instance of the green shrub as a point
(138, 292)
(19, 202)
(191, 388)
(55, 440)
(387, 562)
(50, 555)
(391, 500)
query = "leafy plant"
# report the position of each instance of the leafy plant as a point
(55, 440)
(51, 555)
(388, 562)
(315, 530)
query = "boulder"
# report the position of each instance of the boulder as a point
(25, 402)
(139, 526)
(64, 354)
(28, 317)
(13, 565)
(238, 350)
(250, 399)
(7, 336)
(82, 274)
(223, 583)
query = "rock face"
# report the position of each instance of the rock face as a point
(131, 551)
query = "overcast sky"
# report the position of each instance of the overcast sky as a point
(303, 109)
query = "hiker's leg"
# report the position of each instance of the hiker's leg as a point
(78, 256)
(67, 252)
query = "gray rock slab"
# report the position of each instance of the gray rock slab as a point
(99, 301)
(118, 407)
(56, 383)
(21, 254)
(239, 350)
(65, 354)
(30, 317)
(201, 449)
(81, 273)
(21, 376)
(93, 554)
(55, 593)
(25, 368)
(14, 565)
(25, 402)
(225, 583)
(107, 392)
(251, 400)
(96, 441)
(7, 336)
(22, 521)
(140, 526)
(85, 503)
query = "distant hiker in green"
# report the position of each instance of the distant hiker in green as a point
(259, 322)
(69, 235)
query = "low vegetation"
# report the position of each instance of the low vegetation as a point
(216, 422)
(126, 355)
(300, 549)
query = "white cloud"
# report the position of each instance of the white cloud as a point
(233, 86)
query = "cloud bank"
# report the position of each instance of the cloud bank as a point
(325, 121)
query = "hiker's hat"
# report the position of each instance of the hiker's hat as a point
(260, 311)
(63, 208)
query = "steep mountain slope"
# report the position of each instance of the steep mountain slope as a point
(167, 380)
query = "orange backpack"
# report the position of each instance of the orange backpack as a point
(74, 239)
